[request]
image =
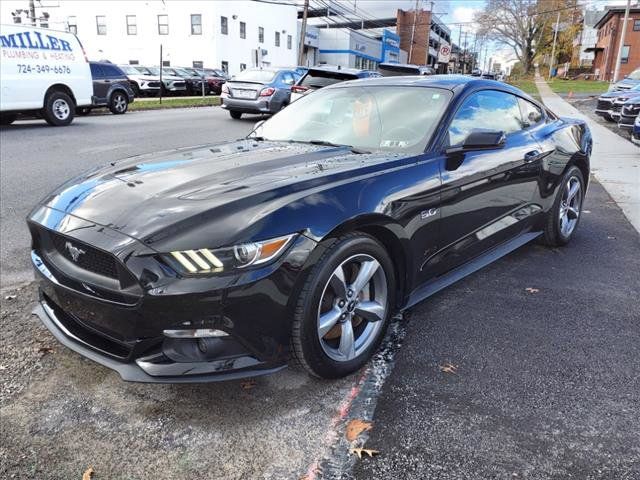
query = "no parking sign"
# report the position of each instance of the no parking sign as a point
(444, 53)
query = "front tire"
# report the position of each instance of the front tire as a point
(235, 114)
(119, 103)
(343, 310)
(564, 217)
(58, 109)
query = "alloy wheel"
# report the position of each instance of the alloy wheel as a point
(119, 103)
(352, 308)
(570, 205)
(61, 109)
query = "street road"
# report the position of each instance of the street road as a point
(35, 158)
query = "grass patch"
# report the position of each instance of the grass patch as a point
(174, 102)
(578, 86)
(528, 86)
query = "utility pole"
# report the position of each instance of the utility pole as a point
(426, 55)
(32, 12)
(413, 30)
(459, 49)
(553, 49)
(464, 61)
(303, 32)
(623, 34)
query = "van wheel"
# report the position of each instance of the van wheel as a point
(119, 103)
(58, 109)
(235, 115)
(8, 118)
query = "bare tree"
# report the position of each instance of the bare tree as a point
(516, 23)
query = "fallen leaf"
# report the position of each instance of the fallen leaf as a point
(583, 211)
(611, 237)
(3, 367)
(45, 349)
(356, 427)
(532, 290)
(449, 368)
(248, 384)
(10, 297)
(88, 473)
(360, 451)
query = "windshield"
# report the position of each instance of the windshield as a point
(155, 71)
(251, 75)
(143, 70)
(635, 75)
(128, 69)
(369, 118)
(318, 79)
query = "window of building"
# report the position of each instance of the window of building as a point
(166, 63)
(260, 34)
(163, 24)
(197, 64)
(44, 23)
(132, 25)
(625, 54)
(636, 25)
(277, 39)
(289, 41)
(196, 24)
(72, 25)
(225, 66)
(243, 30)
(243, 66)
(101, 24)
(224, 25)
(359, 62)
(17, 19)
(134, 62)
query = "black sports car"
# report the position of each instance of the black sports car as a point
(226, 260)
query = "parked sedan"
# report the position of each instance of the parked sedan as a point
(607, 107)
(111, 89)
(318, 77)
(629, 111)
(222, 261)
(258, 90)
(192, 81)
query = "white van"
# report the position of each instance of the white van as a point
(42, 72)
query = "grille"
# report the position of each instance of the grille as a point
(616, 107)
(603, 105)
(90, 259)
(178, 84)
(153, 84)
(631, 110)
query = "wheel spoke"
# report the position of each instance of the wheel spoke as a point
(371, 311)
(347, 343)
(573, 189)
(328, 320)
(338, 283)
(366, 273)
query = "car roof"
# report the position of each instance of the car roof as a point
(449, 82)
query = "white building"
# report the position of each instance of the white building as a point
(358, 49)
(229, 34)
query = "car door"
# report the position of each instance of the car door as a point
(487, 193)
(100, 86)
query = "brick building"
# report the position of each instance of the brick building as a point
(609, 29)
(411, 23)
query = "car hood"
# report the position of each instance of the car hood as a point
(146, 78)
(158, 198)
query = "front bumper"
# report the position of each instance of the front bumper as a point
(126, 334)
(259, 105)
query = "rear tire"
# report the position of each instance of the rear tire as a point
(564, 217)
(119, 103)
(344, 307)
(235, 114)
(7, 118)
(59, 109)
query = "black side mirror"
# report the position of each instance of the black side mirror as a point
(481, 140)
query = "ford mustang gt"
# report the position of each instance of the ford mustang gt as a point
(302, 240)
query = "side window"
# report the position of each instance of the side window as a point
(287, 78)
(485, 110)
(531, 114)
(96, 71)
(110, 71)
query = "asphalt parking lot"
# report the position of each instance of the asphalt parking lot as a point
(544, 344)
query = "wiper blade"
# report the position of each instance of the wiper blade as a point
(331, 144)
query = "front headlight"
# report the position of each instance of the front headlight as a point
(205, 260)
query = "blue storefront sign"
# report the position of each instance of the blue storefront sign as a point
(390, 47)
